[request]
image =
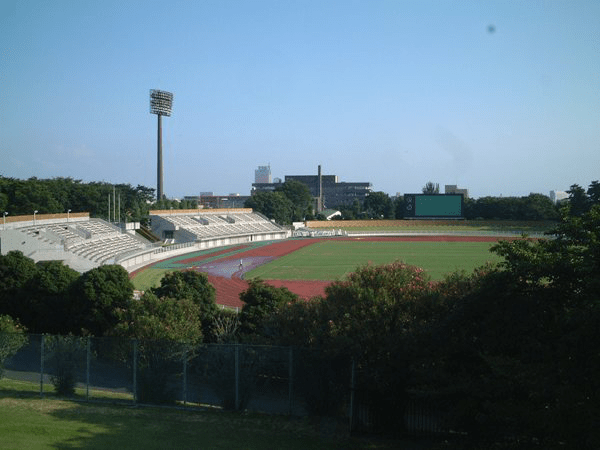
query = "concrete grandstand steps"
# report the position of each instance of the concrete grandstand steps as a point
(190, 226)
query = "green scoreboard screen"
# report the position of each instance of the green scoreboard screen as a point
(435, 205)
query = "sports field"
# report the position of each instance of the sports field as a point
(306, 266)
(333, 259)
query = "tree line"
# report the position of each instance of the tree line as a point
(49, 297)
(101, 199)
(290, 202)
(379, 205)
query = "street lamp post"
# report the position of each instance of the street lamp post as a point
(34, 213)
(4, 214)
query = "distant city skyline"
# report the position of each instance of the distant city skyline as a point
(501, 98)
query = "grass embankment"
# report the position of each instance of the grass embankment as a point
(334, 259)
(28, 421)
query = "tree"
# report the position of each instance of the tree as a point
(374, 316)
(532, 207)
(12, 338)
(261, 301)
(509, 351)
(578, 201)
(274, 205)
(35, 195)
(16, 270)
(100, 296)
(225, 328)
(37, 294)
(299, 196)
(374, 304)
(593, 193)
(16, 273)
(431, 188)
(3, 202)
(538, 207)
(378, 205)
(399, 207)
(65, 355)
(567, 266)
(57, 195)
(165, 328)
(353, 211)
(193, 286)
(300, 323)
(188, 284)
(48, 304)
(161, 319)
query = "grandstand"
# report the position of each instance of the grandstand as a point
(83, 243)
(226, 226)
(80, 242)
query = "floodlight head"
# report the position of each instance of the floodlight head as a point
(161, 102)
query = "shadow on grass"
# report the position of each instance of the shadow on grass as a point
(129, 427)
(29, 421)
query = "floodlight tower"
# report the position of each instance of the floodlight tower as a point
(161, 103)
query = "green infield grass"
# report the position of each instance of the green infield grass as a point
(333, 259)
(149, 277)
(30, 422)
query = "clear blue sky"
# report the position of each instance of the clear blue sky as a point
(397, 93)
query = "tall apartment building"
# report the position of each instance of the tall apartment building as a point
(262, 174)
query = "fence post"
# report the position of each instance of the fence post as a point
(185, 375)
(134, 342)
(291, 380)
(237, 377)
(87, 371)
(42, 367)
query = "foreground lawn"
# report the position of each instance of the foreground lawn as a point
(30, 422)
(333, 259)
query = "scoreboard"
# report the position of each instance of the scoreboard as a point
(422, 206)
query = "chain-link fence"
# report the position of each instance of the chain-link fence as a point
(269, 379)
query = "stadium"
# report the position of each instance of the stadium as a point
(229, 245)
